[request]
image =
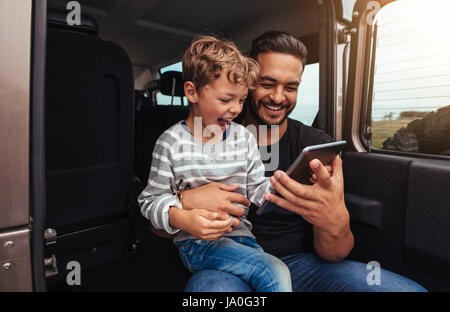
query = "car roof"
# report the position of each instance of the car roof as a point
(156, 33)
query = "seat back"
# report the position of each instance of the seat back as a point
(89, 126)
(150, 124)
(88, 144)
(152, 121)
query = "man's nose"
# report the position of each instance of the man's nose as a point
(277, 95)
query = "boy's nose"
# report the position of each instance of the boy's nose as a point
(235, 109)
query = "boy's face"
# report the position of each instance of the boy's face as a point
(218, 102)
(276, 91)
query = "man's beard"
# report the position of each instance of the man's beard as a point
(255, 108)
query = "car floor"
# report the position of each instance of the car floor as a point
(156, 266)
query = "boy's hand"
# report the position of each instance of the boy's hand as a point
(201, 223)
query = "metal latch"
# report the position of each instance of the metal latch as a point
(368, 136)
(50, 236)
(343, 34)
(50, 266)
(368, 133)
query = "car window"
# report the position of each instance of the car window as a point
(162, 99)
(411, 78)
(308, 96)
(307, 99)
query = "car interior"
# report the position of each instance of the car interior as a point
(102, 119)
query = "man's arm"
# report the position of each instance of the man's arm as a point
(336, 241)
(333, 248)
(215, 197)
(322, 205)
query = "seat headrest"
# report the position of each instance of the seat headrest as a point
(168, 79)
(58, 19)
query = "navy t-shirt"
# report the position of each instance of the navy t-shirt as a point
(279, 231)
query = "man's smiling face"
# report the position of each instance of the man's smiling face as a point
(275, 95)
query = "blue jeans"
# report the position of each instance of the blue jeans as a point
(242, 257)
(310, 273)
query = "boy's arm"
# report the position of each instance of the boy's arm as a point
(257, 183)
(158, 196)
(163, 209)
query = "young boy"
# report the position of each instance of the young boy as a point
(208, 147)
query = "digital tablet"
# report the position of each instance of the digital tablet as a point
(300, 169)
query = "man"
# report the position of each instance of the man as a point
(318, 210)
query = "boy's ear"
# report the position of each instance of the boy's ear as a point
(190, 91)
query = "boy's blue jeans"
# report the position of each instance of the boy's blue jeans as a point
(310, 273)
(240, 256)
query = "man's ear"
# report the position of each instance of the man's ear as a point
(190, 91)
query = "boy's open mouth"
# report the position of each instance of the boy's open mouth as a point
(224, 122)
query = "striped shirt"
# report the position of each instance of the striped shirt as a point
(181, 161)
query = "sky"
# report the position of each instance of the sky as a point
(412, 60)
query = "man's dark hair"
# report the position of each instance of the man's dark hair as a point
(278, 41)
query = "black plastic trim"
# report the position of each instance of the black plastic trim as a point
(358, 70)
(409, 154)
(369, 71)
(57, 19)
(37, 142)
(327, 56)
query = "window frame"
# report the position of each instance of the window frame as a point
(326, 119)
(299, 104)
(357, 119)
(155, 92)
(366, 112)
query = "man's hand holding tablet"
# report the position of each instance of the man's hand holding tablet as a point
(300, 170)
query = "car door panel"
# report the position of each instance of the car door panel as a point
(414, 236)
(427, 229)
(380, 184)
(365, 210)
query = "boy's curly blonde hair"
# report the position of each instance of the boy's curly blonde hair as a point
(208, 56)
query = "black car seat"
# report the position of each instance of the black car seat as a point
(152, 121)
(88, 145)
